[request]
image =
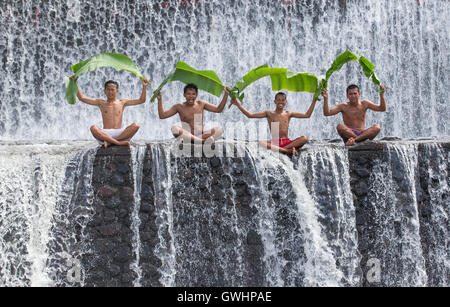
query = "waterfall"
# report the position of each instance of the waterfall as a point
(34, 187)
(392, 206)
(40, 40)
(319, 265)
(162, 179)
(326, 172)
(72, 214)
(137, 155)
(372, 215)
(434, 212)
(214, 229)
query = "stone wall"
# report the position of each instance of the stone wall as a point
(212, 224)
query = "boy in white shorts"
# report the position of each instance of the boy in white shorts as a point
(112, 114)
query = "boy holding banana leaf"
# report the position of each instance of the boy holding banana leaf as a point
(354, 115)
(354, 111)
(279, 124)
(112, 115)
(112, 108)
(191, 115)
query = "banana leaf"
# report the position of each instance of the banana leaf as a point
(368, 69)
(281, 79)
(206, 80)
(294, 82)
(254, 75)
(165, 81)
(117, 61)
(348, 56)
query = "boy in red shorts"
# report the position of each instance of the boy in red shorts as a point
(279, 124)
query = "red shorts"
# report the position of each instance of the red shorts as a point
(283, 142)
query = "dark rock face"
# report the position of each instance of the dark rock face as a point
(110, 235)
(400, 198)
(371, 215)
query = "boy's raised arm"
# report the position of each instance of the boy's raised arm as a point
(141, 100)
(87, 100)
(221, 106)
(165, 114)
(247, 113)
(307, 114)
(326, 109)
(382, 106)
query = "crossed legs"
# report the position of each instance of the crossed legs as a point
(207, 136)
(289, 149)
(350, 138)
(127, 134)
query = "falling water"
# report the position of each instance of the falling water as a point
(434, 212)
(326, 172)
(395, 232)
(165, 250)
(318, 266)
(273, 221)
(138, 155)
(40, 40)
(215, 229)
(33, 187)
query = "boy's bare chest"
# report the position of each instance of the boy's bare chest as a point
(282, 119)
(111, 109)
(354, 111)
(190, 113)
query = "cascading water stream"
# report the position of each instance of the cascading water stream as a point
(318, 266)
(33, 187)
(138, 155)
(40, 40)
(326, 172)
(257, 218)
(395, 230)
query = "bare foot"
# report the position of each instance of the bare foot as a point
(350, 142)
(210, 140)
(106, 144)
(294, 151)
(207, 136)
(124, 143)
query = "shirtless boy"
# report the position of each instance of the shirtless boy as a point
(280, 141)
(354, 115)
(191, 116)
(112, 114)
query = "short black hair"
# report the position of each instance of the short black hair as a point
(112, 82)
(280, 93)
(191, 86)
(352, 87)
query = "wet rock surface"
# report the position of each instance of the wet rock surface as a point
(401, 191)
(108, 262)
(200, 218)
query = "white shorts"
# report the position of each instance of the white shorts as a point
(114, 133)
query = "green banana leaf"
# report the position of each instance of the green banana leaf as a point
(368, 69)
(254, 75)
(117, 61)
(165, 81)
(294, 82)
(342, 59)
(281, 79)
(348, 56)
(206, 80)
